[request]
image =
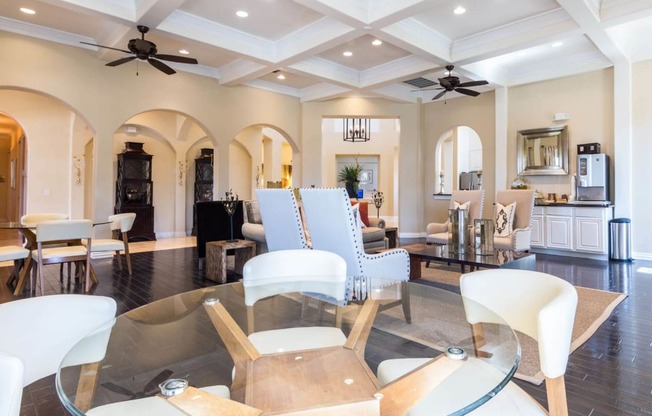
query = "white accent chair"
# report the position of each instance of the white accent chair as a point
(120, 225)
(519, 238)
(285, 271)
(62, 231)
(437, 233)
(333, 227)
(281, 219)
(11, 384)
(537, 304)
(39, 332)
(32, 219)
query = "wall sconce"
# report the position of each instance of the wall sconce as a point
(78, 168)
(183, 167)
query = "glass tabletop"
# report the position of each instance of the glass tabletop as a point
(442, 252)
(187, 337)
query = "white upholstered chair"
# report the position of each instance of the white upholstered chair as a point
(333, 227)
(281, 219)
(33, 219)
(15, 254)
(39, 332)
(62, 231)
(437, 233)
(519, 238)
(537, 304)
(312, 271)
(120, 225)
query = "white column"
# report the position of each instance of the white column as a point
(501, 138)
(622, 167)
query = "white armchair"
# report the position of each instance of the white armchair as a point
(333, 227)
(437, 233)
(281, 219)
(519, 238)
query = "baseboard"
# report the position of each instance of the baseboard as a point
(570, 253)
(642, 256)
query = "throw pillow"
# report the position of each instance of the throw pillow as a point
(358, 216)
(253, 213)
(504, 219)
(457, 205)
(364, 211)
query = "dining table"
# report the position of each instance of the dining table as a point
(28, 232)
(173, 351)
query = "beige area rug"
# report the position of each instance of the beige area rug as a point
(593, 309)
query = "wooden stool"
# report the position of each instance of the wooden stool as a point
(216, 257)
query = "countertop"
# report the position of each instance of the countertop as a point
(588, 204)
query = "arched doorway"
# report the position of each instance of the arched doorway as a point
(12, 160)
(458, 160)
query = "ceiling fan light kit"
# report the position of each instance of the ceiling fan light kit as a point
(146, 51)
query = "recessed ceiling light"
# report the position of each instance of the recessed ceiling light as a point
(347, 53)
(27, 11)
(241, 13)
(184, 52)
(459, 10)
(557, 44)
(281, 76)
(377, 42)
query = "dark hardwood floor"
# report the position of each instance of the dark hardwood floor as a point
(611, 374)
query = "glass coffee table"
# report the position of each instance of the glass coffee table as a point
(195, 339)
(506, 259)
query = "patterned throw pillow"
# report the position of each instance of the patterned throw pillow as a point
(504, 219)
(358, 215)
(253, 213)
(457, 205)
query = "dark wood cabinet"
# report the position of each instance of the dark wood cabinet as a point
(134, 190)
(203, 183)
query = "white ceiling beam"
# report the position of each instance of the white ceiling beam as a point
(328, 71)
(322, 91)
(589, 22)
(313, 39)
(123, 10)
(391, 12)
(617, 13)
(46, 33)
(241, 70)
(418, 39)
(273, 87)
(211, 33)
(525, 33)
(152, 12)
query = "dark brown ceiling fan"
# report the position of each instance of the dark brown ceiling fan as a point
(146, 51)
(452, 83)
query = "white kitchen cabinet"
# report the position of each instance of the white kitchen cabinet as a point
(571, 230)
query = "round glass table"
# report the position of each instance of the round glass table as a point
(195, 338)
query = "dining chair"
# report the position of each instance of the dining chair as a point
(519, 229)
(536, 304)
(70, 232)
(437, 233)
(15, 254)
(282, 222)
(39, 332)
(33, 219)
(314, 272)
(120, 225)
(333, 227)
(11, 384)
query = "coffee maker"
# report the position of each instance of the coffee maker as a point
(592, 177)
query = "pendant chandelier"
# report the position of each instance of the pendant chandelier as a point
(357, 129)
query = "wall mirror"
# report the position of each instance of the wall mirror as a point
(543, 151)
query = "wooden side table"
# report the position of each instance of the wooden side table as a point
(392, 236)
(216, 257)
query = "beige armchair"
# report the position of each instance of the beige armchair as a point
(437, 233)
(519, 238)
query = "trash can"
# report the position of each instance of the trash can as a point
(620, 239)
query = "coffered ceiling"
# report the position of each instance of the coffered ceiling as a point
(507, 42)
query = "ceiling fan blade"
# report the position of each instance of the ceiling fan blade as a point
(467, 92)
(105, 47)
(444, 82)
(473, 83)
(121, 61)
(175, 58)
(439, 95)
(161, 66)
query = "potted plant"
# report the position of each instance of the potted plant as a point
(350, 174)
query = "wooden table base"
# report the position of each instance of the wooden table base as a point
(216, 257)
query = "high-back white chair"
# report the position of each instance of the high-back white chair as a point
(537, 304)
(519, 238)
(437, 233)
(64, 231)
(40, 331)
(281, 219)
(120, 226)
(285, 271)
(333, 227)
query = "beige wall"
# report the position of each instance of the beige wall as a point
(587, 98)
